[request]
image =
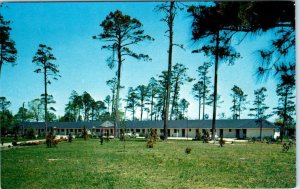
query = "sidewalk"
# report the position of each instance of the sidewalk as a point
(10, 144)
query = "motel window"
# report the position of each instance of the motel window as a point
(71, 130)
(111, 130)
(197, 130)
(131, 130)
(175, 130)
(143, 130)
(97, 130)
(62, 130)
(229, 130)
(161, 130)
(138, 130)
(190, 129)
(42, 130)
(210, 130)
(79, 130)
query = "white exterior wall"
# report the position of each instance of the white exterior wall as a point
(228, 134)
(256, 132)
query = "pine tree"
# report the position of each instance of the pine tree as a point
(260, 108)
(121, 32)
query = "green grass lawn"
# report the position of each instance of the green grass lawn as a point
(87, 164)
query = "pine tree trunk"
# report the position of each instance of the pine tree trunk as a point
(166, 112)
(199, 99)
(215, 87)
(142, 106)
(46, 99)
(174, 99)
(284, 115)
(118, 91)
(151, 107)
(204, 91)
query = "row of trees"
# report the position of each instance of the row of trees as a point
(215, 26)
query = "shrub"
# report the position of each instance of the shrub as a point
(252, 139)
(14, 143)
(152, 138)
(84, 133)
(30, 133)
(287, 146)
(205, 136)
(150, 143)
(50, 139)
(221, 142)
(198, 135)
(188, 150)
(70, 138)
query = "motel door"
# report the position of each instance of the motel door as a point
(244, 133)
(221, 132)
(237, 133)
(183, 132)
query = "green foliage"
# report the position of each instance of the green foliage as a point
(205, 137)
(35, 109)
(178, 78)
(221, 142)
(84, 133)
(70, 138)
(287, 146)
(142, 93)
(198, 135)
(239, 102)
(201, 87)
(8, 51)
(121, 32)
(50, 139)
(30, 134)
(188, 150)
(152, 138)
(43, 60)
(132, 101)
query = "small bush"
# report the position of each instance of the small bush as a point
(253, 139)
(198, 136)
(84, 133)
(188, 150)
(50, 139)
(30, 133)
(287, 146)
(70, 138)
(14, 143)
(221, 142)
(150, 143)
(205, 136)
(152, 138)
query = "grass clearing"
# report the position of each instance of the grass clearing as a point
(87, 164)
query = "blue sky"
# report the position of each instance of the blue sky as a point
(68, 28)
